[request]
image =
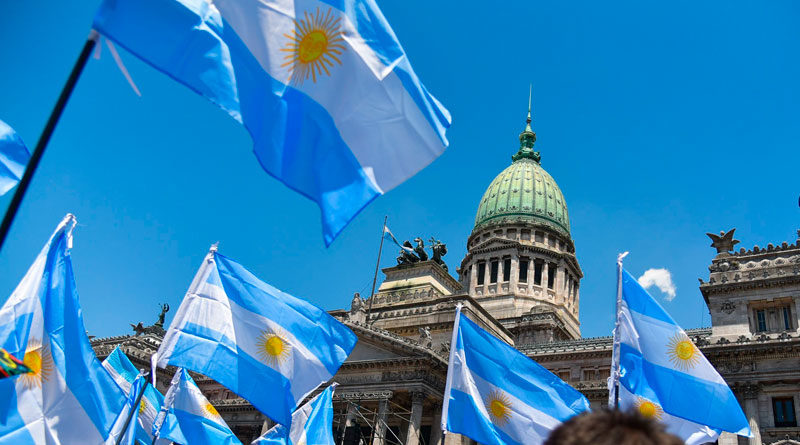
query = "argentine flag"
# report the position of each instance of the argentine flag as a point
(495, 395)
(124, 431)
(324, 88)
(663, 374)
(189, 418)
(68, 398)
(124, 373)
(312, 424)
(269, 347)
(14, 157)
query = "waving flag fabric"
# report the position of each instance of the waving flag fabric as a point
(123, 426)
(189, 418)
(388, 235)
(312, 424)
(497, 396)
(664, 375)
(68, 397)
(14, 157)
(269, 347)
(324, 88)
(124, 373)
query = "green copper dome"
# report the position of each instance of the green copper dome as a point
(524, 192)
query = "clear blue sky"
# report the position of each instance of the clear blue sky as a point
(660, 122)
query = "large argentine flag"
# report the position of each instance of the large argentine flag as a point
(69, 397)
(189, 418)
(664, 375)
(13, 158)
(125, 374)
(323, 86)
(497, 396)
(312, 424)
(267, 346)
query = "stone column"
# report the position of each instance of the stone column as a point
(751, 411)
(545, 276)
(412, 438)
(380, 423)
(513, 277)
(473, 279)
(436, 429)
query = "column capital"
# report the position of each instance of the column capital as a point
(417, 397)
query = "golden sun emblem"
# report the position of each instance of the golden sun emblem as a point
(273, 348)
(648, 408)
(38, 359)
(209, 409)
(142, 406)
(314, 46)
(682, 352)
(499, 407)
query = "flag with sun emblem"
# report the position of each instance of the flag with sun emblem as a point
(325, 89)
(124, 431)
(312, 424)
(189, 418)
(265, 345)
(67, 397)
(665, 376)
(125, 374)
(497, 396)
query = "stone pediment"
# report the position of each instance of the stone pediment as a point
(376, 344)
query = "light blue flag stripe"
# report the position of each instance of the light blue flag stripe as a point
(312, 424)
(640, 301)
(14, 157)
(338, 156)
(471, 422)
(680, 394)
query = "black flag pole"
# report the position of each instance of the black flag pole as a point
(38, 152)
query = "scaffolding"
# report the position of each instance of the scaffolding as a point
(396, 417)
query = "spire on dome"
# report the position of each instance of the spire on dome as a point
(527, 138)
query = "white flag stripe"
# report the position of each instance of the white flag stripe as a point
(655, 346)
(692, 433)
(524, 423)
(350, 93)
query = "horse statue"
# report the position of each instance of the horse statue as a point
(407, 254)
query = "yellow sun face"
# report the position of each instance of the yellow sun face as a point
(38, 359)
(682, 352)
(210, 410)
(142, 406)
(273, 348)
(499, 407)
(314, 46)
(648, 408)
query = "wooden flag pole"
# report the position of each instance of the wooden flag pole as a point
(38, 152)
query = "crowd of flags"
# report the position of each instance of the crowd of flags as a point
(341, 123)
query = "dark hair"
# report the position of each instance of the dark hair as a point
(611, 428)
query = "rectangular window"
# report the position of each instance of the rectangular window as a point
(783, 412)
(506, 269)
(761, 320)
(511, 234)
(523, 270)
(537, 272)
(563, 375)
(588, 374)
(481, 273)
(787, 318)
(526, 235)
(552, 270)
(493, 271)
(539, 237)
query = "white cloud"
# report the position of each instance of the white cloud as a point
(660, 278)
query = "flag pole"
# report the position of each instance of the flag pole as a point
(38, 152)
(449, 379)
(131, 411)
(377, 266)
(613, 396)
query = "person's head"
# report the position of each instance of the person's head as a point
(611, 428)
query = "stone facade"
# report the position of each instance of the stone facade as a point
(520, 280)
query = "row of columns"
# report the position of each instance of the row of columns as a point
(381, 426)
(560, 282)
